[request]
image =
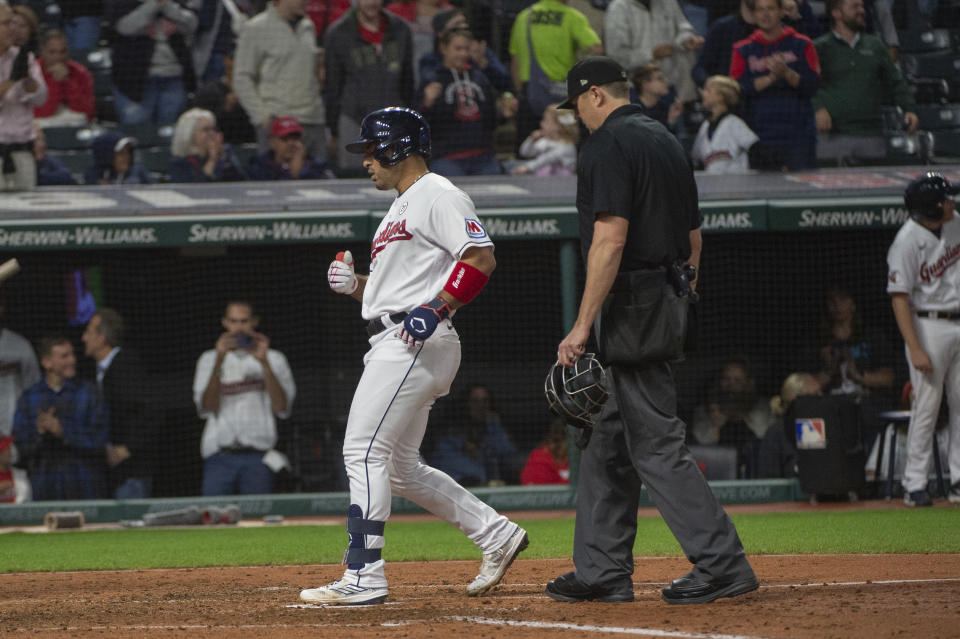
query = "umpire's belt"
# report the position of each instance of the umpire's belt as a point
(944, 315)
(376, 326)
(639, 279)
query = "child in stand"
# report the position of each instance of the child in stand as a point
(724, 140)
(652, 91)
(551, 149)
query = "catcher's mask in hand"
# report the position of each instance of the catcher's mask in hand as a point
(577, 394)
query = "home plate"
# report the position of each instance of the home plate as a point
(343, 606)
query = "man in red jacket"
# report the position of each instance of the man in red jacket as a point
(69, 84)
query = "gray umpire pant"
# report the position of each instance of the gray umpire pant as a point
(640, 440)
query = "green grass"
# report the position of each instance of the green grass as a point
(935, 530)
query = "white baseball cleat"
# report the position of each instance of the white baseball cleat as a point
(495, 563)
(343, 593)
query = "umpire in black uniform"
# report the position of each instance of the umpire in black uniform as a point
(639, 225)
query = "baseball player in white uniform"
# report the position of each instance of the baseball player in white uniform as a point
(430, 255)
(924, 284)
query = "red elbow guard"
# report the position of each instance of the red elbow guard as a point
(465, 282)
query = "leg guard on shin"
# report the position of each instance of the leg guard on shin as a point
(357, 554)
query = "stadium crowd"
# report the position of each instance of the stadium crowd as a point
(756, 84)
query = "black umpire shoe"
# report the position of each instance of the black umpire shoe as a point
(567, 587)
(690, 590)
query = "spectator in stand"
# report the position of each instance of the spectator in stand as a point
(882, 25)
(724, 140)
(218, 97)
(199, 154)
(216, 37)
(21, 89)
(778, 71)
(240, 387)
(717, 50)
(852, 360)
(462, 109)
(25, 28)
(278, 71)
(369, 63)
(114, 161)
(69, 85)
(324, 13)
(60, 429)
(551, 149)
(287, 158)
(549, 463)
(19, 371)
(545, 41)
(81, 23)
(857, 76)
(638, 32)
(799, 15)
(778, 450)
(734, 415)
(654, 94)
(481, 55)
(14, 483)
(133, 418)
(419, 15)
(50, 170)
(152, 63)
(477, 451)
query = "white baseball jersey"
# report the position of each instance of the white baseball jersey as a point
(925, 266)
(18, 371)
(245, 417)
(725, 150)
(431, 214)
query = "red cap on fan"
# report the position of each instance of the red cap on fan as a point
(286, 125)
(5, 443)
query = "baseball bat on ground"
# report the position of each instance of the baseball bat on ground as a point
(190, 516)
(9, 268)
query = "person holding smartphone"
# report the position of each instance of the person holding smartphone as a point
(240, 387)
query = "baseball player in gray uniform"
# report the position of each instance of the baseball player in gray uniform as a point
(924, 284)
(430, 256)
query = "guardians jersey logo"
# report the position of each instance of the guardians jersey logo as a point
(246, 385)
(392, 232)
(950, 256)
(760, 64)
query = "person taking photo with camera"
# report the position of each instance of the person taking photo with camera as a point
(240, 387)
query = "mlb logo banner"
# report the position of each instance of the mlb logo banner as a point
(475, 229)
(811, 434)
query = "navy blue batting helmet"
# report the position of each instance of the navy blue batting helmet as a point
(926, 194)
(396, 132)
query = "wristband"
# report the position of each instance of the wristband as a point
(439, 306)
(465, 282)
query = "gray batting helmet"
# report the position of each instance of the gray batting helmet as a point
(396, 132)
(577, 394)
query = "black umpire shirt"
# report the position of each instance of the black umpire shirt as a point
(634, 168)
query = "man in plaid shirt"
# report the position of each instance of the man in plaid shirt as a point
(60, 428)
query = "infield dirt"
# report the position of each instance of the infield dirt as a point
(802, 596)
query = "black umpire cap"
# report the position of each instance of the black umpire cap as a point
(595, 70)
